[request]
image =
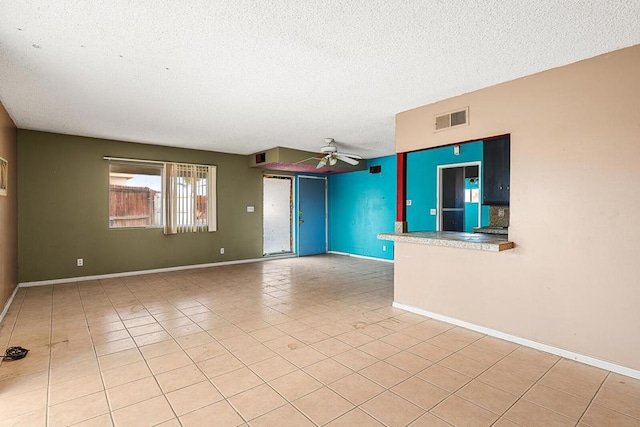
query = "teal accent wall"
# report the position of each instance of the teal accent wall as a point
(361, 205)
(422, 170)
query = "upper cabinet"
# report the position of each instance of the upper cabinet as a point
(496, 171)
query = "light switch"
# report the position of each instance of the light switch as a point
(408, 202)
(251, 209)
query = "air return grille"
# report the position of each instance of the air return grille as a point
(451, 119)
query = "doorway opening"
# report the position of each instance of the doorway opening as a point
(312, 215)
(277, 219)
(459, 190)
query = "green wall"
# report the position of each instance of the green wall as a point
(63, 212)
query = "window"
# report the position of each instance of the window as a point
(179, 197)
(135, 195)
(190, 198)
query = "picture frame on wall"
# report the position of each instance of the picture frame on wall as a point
(4, 176)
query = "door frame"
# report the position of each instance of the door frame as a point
(439, 190)
(297, 212)
(291, 212)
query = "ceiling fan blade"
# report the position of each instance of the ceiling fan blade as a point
(346, 159)
(306, 160)
(353, 156)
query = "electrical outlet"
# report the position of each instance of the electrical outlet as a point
(80, 262)
(408, 202)
(251, 209)
(433, 212)
(500, 212)
(221, 250)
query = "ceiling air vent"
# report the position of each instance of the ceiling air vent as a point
(452, 119)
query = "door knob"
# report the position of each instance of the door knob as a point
(300, 221)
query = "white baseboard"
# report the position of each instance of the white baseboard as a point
(152, 271)
(588, 360)
(8, 304)
(360, 256)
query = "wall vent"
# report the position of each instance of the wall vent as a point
(451, 119)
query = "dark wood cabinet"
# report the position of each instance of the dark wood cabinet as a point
(496, 171)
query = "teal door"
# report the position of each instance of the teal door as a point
(312, 215)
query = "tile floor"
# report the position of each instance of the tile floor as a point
(288, 342)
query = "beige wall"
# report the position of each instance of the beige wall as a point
(573, 280)
(8, 212)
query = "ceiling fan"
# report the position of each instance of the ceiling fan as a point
(331, 155)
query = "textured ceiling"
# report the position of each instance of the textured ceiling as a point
(243, 76)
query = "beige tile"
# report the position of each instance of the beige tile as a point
(256, 401)
(114, 346)
(430, 352)
(179, 378)
(622, 384)
(295, 385)
(145, 329)
(284, 416)
(505, 381)
(272, 368)
(238, 342)
(391, 409)
(32, 419)
(77, 410)
(400, 341)
(99, 421)
(237, 381)
(495, 344)
(598, 415)
(529, 414)
(420, 393)
(409, 362)
(122, 358)
(220, 365)
(580, 371)
(444, 378)
(162, 348)
(429, 420)
(327, 371)
(149, 412)
(68, 390)
(458, 411)
(24, 383)
(624, 403)
(169, 362)
(355, 417)
(152, 338)
(356, 388)
(569, 385)
(110, 336)
(322, 405)
(526, 370)
(487, 397)
(384, 374)
(133, 392)
(123, 374)
(193, 397)
(253, 354)
(355, 359)
(303, 356)
(194, 340)
(558, 401)
(464, 365)
(535, 357)
(15, 404)
(219, 414)
(203, 352)
(484, 355)
(170, 423)
(267, 334)
(355, 338)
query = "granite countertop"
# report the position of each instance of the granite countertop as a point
(453, 239)
(491, 230)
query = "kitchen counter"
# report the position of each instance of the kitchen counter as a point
(453, 239)
(491, 230)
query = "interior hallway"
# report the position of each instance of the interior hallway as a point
(287, 342)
